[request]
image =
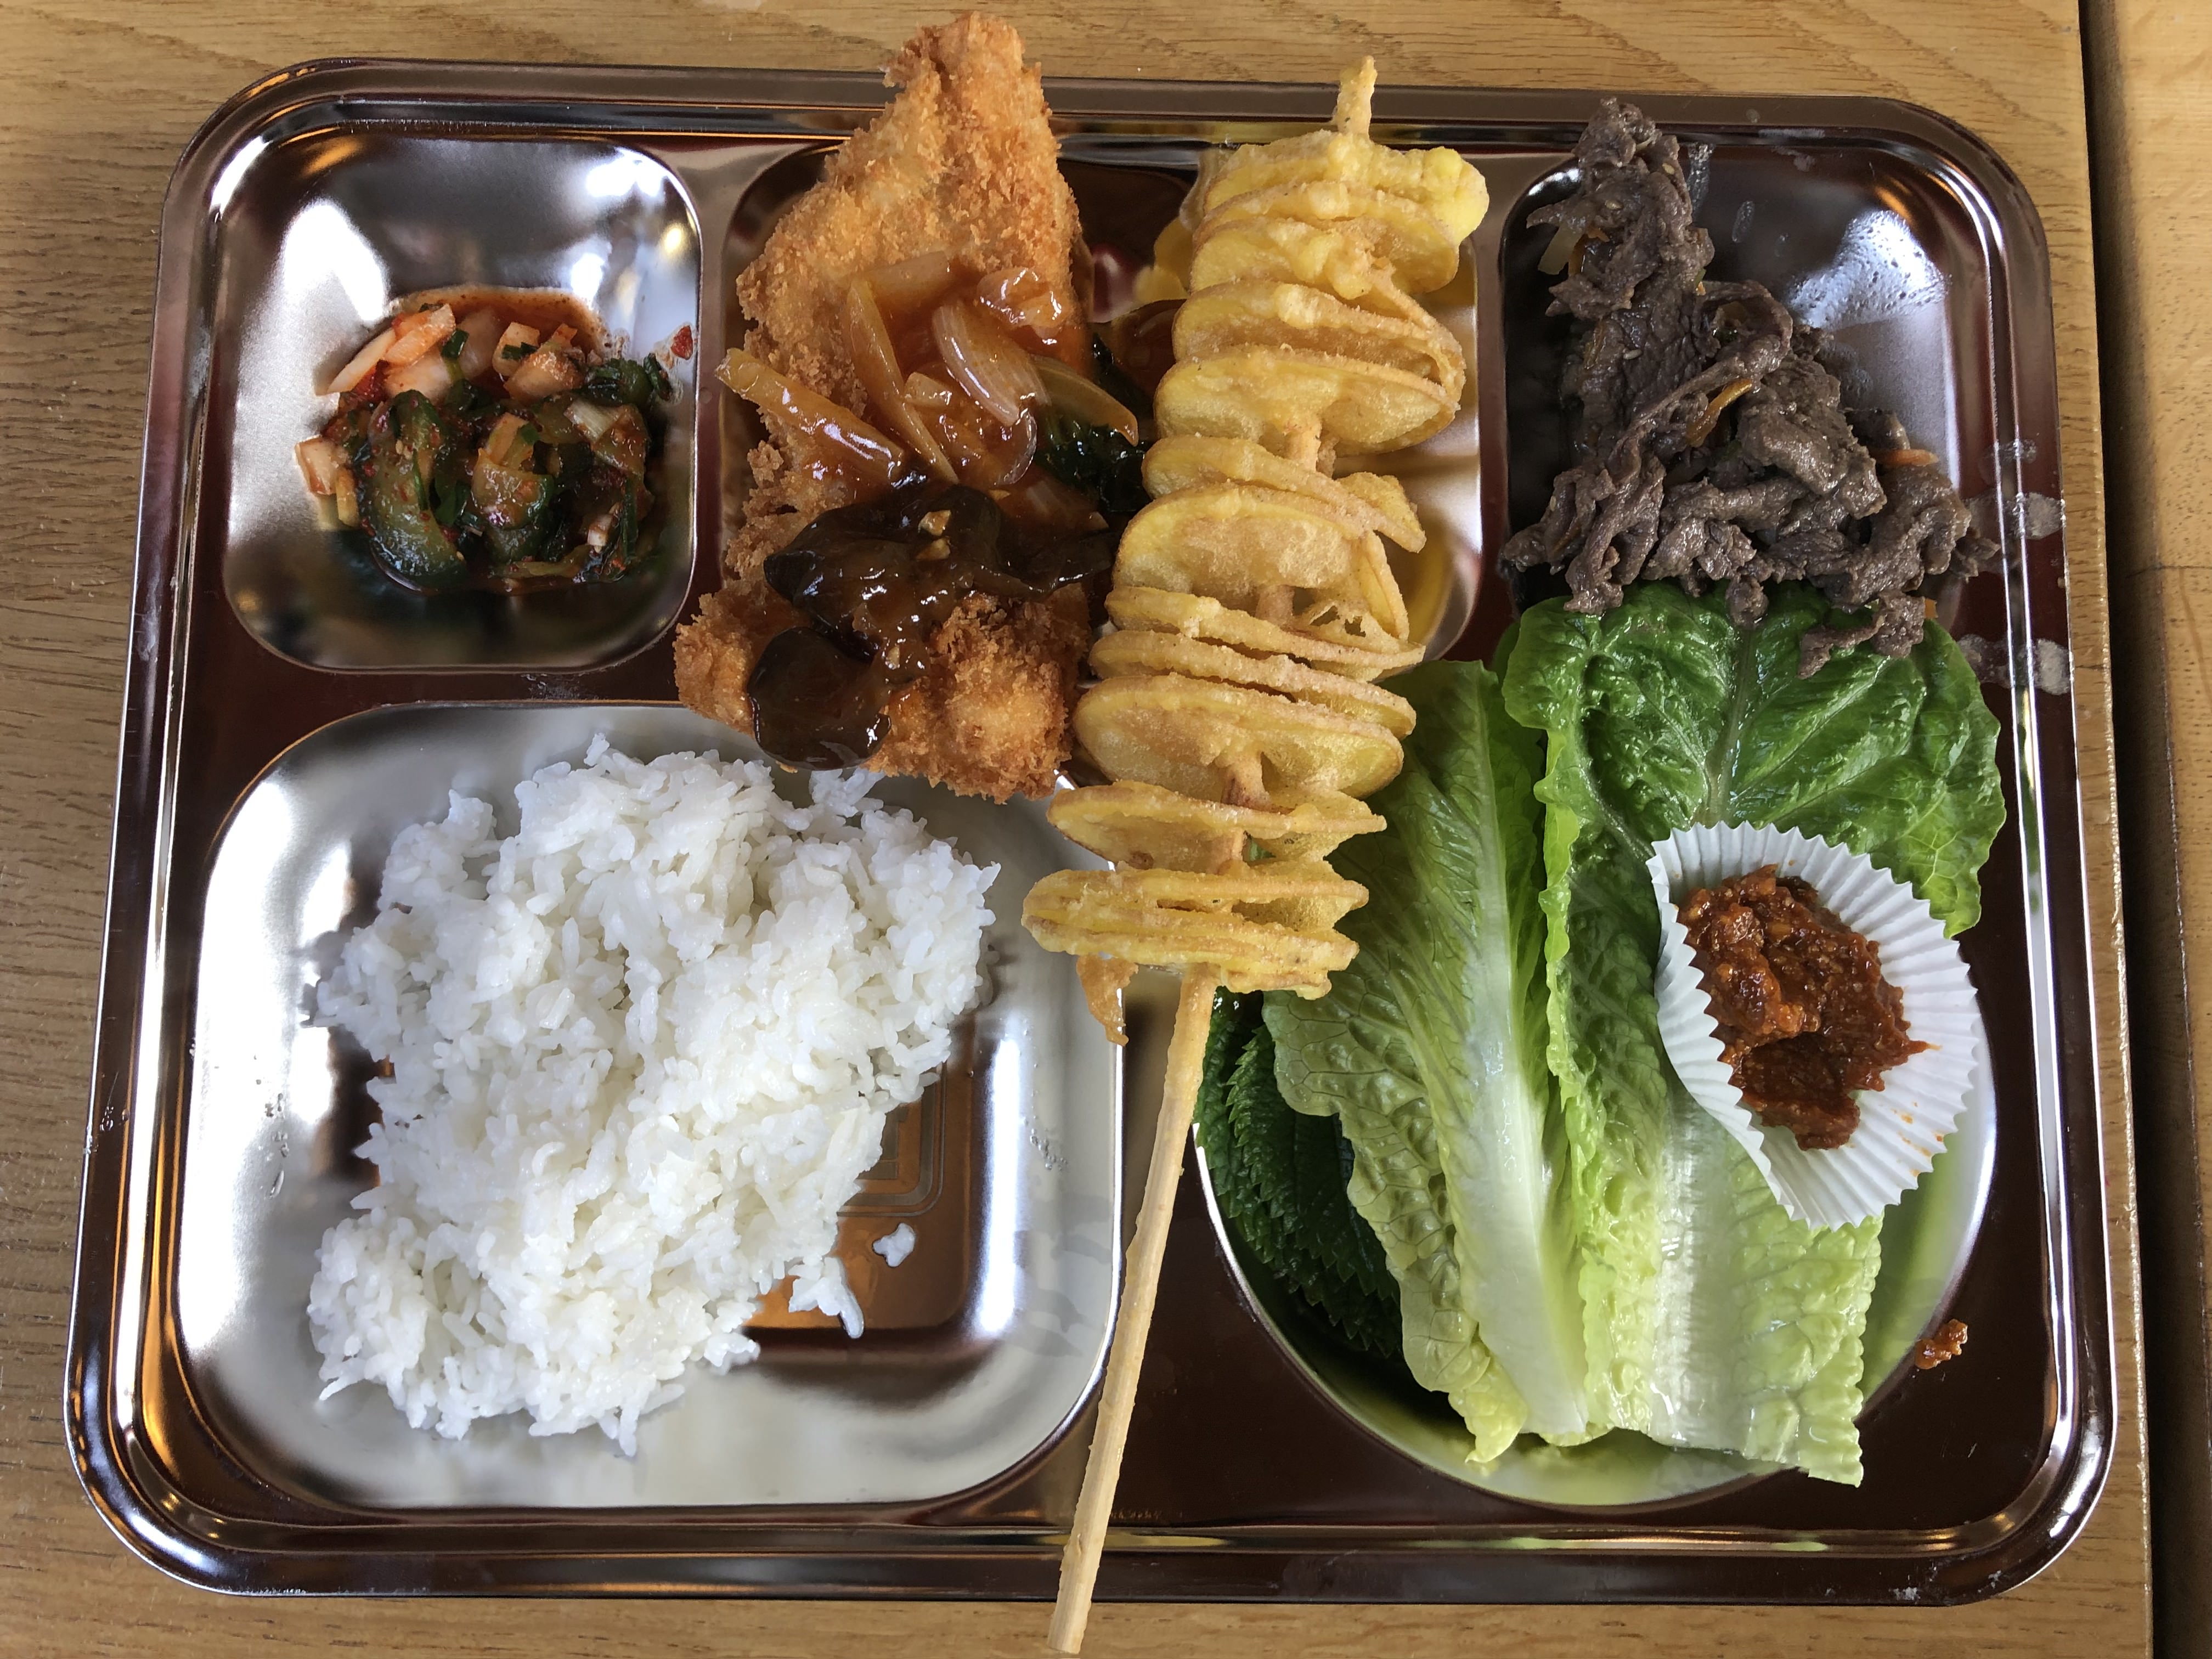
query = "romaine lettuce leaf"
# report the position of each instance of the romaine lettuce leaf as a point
(1430, 1051)
(1711, 1318)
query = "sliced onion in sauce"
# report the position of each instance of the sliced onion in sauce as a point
(1070, 394)
(912, 283)
(1008, 455)
(1022, 299)
(861, 453)
(1026, 303)
(1011, 451)
(877, 362)
(984, 362)
(927, 391)
(1559, 249)
(1702, 428)
(989, 456)
(873, 357)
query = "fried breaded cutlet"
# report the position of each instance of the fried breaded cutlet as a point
(963, 160)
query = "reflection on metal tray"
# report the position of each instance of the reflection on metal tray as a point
(1934, 272)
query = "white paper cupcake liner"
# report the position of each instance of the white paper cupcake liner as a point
(1902, 1124)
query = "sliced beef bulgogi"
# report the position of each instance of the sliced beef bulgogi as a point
(1711, 440)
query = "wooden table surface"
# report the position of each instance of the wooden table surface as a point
(2150, 77)
(99, 97)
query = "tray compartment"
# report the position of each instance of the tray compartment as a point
(320, 234)
(940, 1394)
(1879, 253)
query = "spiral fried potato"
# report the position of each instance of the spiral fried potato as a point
(1280, 555)
(1254, 603)
(1141, 826)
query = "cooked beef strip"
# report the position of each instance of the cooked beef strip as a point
(1710, 442)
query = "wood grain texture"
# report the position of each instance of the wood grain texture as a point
(2150, 64)
(96, 98)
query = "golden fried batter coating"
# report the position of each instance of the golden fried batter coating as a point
(1002, 678)
(1253, 598)
(964, 162)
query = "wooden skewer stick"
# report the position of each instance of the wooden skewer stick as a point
(1140, 1282)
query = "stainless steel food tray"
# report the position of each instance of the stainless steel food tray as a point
(252, 665)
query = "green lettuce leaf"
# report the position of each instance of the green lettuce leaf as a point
(1430, 1051)
(1710, 1317)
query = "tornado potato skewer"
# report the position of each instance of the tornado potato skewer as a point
(1254, 606)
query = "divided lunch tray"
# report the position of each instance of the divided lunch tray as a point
(285, 715)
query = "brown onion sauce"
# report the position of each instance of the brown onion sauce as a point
(916, 348)
(913, 344)
(877, 580)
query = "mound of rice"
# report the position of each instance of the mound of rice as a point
(641, 1051)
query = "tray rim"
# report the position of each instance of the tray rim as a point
(679, 101)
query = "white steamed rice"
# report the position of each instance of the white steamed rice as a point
(641, 1051)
